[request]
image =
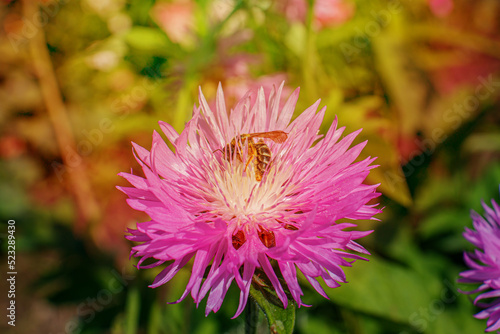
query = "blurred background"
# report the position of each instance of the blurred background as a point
(80, 80)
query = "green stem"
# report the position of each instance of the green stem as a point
(74, 172)
(309, 59)
(132, 309)
(251, 317)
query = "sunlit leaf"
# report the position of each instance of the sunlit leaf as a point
(367, 113)
(148, 40)
(405, 84)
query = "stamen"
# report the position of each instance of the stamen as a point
(239, 239)
(267, 237)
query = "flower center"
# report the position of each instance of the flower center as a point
(235, 194)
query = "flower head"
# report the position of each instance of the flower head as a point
(485, 264)
(238, 203)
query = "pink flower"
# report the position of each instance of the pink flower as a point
(327, 13)
(209, 205)
(441, 8)
(294, 10)
(176, 19)
(238, 86)
(332, 12)
(485, 264)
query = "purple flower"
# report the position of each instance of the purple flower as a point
(485, 264)
(235, 203)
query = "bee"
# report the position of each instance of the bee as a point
(258, 152)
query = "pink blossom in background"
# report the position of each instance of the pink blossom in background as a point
(294, 10)
(237, 65)
(472, 71)
(441, 8)
(237, 87)
(12, 146)
(176, 19)
(235, 72)
(211, 208)
(327, 13)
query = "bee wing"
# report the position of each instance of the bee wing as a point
(276, 136)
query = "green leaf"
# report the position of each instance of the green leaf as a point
(148, 40)
(387, 290)
(318, 326)
(453, 313)
(444, 221)
(482, 142)
(281, 321)
(295, 39)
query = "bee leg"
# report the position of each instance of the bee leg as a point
(248, 162)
